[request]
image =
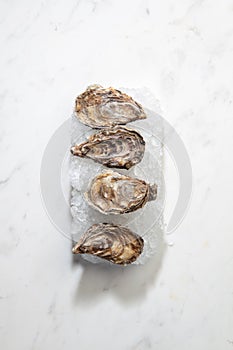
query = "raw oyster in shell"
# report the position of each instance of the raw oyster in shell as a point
(99, 108)
(110, 242)
(113, 193)
(116, 147)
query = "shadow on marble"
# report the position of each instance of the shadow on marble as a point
(128, 284)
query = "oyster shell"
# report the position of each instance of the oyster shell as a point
(110, 242)
(100, 108)
(117, 147)
(113, 193)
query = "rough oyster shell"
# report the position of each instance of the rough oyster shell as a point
(113, 193)
(110, 242)
(100, 108)
(117, 147)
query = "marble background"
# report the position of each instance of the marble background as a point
(183, 52)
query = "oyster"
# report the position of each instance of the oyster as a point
(100, 108)
(113, 193)
(117, 147)
(110, 242)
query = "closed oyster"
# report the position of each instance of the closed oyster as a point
(100, 108)
(117, 147)
(110, 242)
(113, 193)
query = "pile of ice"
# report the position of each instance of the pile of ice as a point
(148, 221)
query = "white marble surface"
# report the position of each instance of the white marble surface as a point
(183, 52)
